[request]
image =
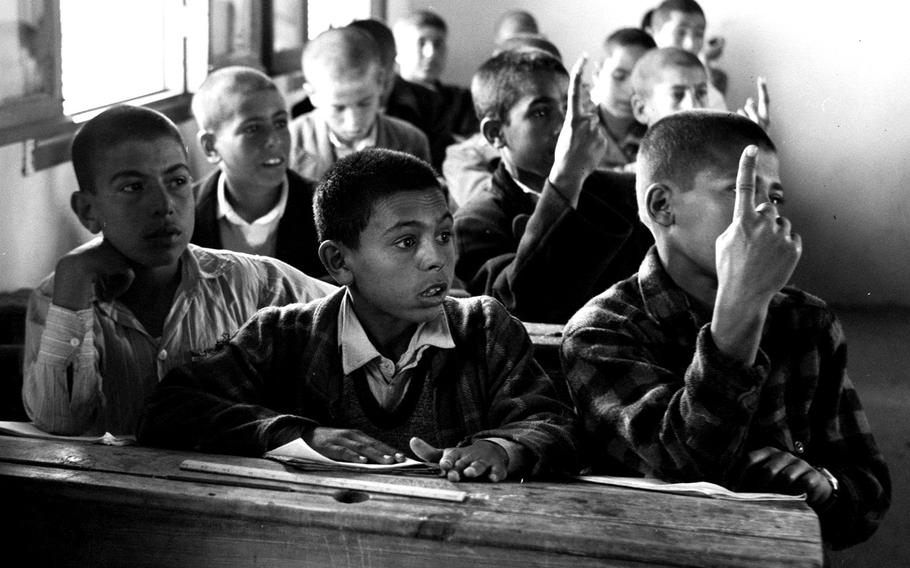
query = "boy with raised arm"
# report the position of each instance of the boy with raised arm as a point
(126, 307)
(253, 202)
(388, 365)
(550, 232)
(706, 365)
(344, 79)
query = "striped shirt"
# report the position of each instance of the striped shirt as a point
(657, 397)
(89, 371)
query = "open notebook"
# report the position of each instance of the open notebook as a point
(699, 488)
(28, 430)
(299, 454)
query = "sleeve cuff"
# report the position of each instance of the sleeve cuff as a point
(514, 451)
(65, 332)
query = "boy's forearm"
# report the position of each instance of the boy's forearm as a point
(737, 324)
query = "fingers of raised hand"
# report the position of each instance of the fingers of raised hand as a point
(744, 206)
(763, 99)
(576, 88)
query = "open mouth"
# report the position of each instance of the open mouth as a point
(165, 232)
(434, 291)
(273, 162)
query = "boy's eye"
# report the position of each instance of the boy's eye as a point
(180, 181)
(251, 129)
(701, 93)
(406, 242)
(444, 237)
(281, 123)
(777, 199)
(131, 187)
(620, 75)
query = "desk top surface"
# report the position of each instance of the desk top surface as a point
(592, 523)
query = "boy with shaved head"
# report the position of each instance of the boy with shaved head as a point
(344, 79)
(253, 202)
(667, 80)
(706, 365)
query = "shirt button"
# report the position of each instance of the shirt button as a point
(162, 355)
(799, 447)
(75, 342)
(387, 367)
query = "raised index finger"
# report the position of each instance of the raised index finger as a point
(745, 184)
(575, 86)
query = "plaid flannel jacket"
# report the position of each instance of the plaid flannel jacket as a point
(281, 375)
(658, 398)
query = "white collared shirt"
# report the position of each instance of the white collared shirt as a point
(388, 379)
(258, 237)
(343, 149)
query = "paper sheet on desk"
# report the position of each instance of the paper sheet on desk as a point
(28, 430)
(300, 453)
(700, 488)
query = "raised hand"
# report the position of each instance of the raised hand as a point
(771, 469)
(755, 257)
(351, 446)
(758, 111)
(95, 267)
(480, 459)
(582, 140)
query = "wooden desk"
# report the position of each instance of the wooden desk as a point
(76, 504)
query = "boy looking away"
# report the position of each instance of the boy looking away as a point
(705, 365)
(344, 81)
(387, 363)
(550, 232)
(252, 203)
(612, 93)
(124, 308)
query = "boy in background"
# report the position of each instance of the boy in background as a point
(612, 93)
(549, 232)
(422, 42)
(124, 308)
(253, 202)
(682, 23)
(665, 81)
(387, 363)
(344, 80)
(705, 365)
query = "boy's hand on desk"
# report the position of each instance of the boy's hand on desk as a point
(771, 469)
(479, 459)
(351, 446)
(95, 265)
(758, 112)
(582, 140)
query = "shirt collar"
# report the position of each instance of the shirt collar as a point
(367, 141)
(225, 209)
(357, 350)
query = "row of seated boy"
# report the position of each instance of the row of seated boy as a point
(671, 372)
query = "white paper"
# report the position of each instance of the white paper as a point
(28, 430)
(701, 488)
(300, 450)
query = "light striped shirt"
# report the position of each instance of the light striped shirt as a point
(89, 371)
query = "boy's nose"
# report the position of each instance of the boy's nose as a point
(162, 202)
(434, 256)
(689, 101)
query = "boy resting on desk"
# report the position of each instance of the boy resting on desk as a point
(705, 365)
(385, 363)
(124, 308)
(253, 202)
(344, 80)
(550, 232)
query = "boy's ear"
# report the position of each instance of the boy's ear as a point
(639, 109)
(334, 257)
(207, 142)
(658, 204)
(83, 205)
(491, 128)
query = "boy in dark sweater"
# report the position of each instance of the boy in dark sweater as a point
(388, 362)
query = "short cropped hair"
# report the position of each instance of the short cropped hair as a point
(515, 22)
(661, 14)
(524, 41)
(502, 79)
(383, 37)
(678, 146)
(343, 52)
(628, 37)
(208, 105)
(345, 197)
(648, 68)
(424, 19)
(117, 125)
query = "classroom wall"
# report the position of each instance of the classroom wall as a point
(838, 81)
